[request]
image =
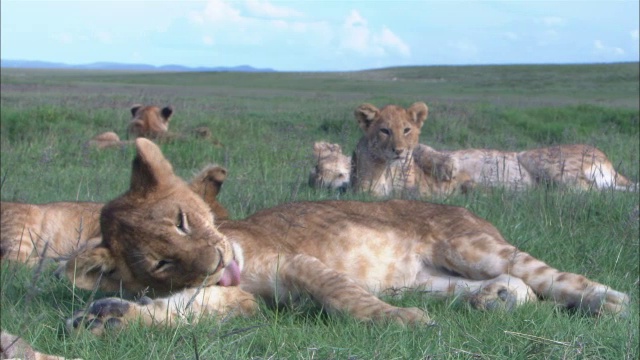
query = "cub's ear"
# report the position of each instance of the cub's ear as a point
(135, 108)
(166, 113)
(150, 168)
(319, 148)
(322, 149)
(418, 112)
(365, 114)
(93, 267)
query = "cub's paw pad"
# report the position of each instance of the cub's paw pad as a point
(494, 297)
(101, 315)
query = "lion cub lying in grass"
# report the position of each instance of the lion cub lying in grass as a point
(578, 166)
(389, 160)
(150, 122)
(333, 168)
(160, 236)
(31, 232)
(13, 347)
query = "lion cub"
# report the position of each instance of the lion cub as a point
(388, 159)
(31, 232)
(149, 121)
(343, 254)
(577, 166)
(333, 168)
(14, 347)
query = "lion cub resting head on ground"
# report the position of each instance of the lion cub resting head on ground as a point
(333, 168)
(32, 232)
(160, 236)
(576, 166)
(389, 160)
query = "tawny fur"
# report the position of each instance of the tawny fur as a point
(151, 122)
(333, 168)
(31, 232)
(107, 140)
(388, 159)
(14, 347)
(576, 166)
(159, 236)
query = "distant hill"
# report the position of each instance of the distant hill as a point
(29, 64)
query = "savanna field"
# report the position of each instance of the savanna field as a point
(263, 128)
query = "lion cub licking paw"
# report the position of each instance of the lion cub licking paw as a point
(341, 254)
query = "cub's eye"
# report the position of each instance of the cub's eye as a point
(182, 224)
(385, 131)
(407, 131)
(163, 265)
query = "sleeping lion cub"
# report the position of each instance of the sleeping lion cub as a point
(333, 168)
(160, 236)
(578, 166)
(31, 232)
(389, 160)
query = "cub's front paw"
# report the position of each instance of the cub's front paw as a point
(502, 293)
(409, 316)
(103, 314)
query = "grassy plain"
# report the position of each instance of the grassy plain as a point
(263, 128)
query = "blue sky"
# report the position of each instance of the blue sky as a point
(320, 35)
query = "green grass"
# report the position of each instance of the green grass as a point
(266, 124)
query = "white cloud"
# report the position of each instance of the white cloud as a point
(390, 40)
(634, 34)
(356, 36)
(217, 12)
(603, 49)
(267, 9)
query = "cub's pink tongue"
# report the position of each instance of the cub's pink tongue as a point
(230, 275)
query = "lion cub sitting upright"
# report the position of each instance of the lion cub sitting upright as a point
(389, 160)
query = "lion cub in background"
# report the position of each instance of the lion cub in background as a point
(389, 160)
(332, 169)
